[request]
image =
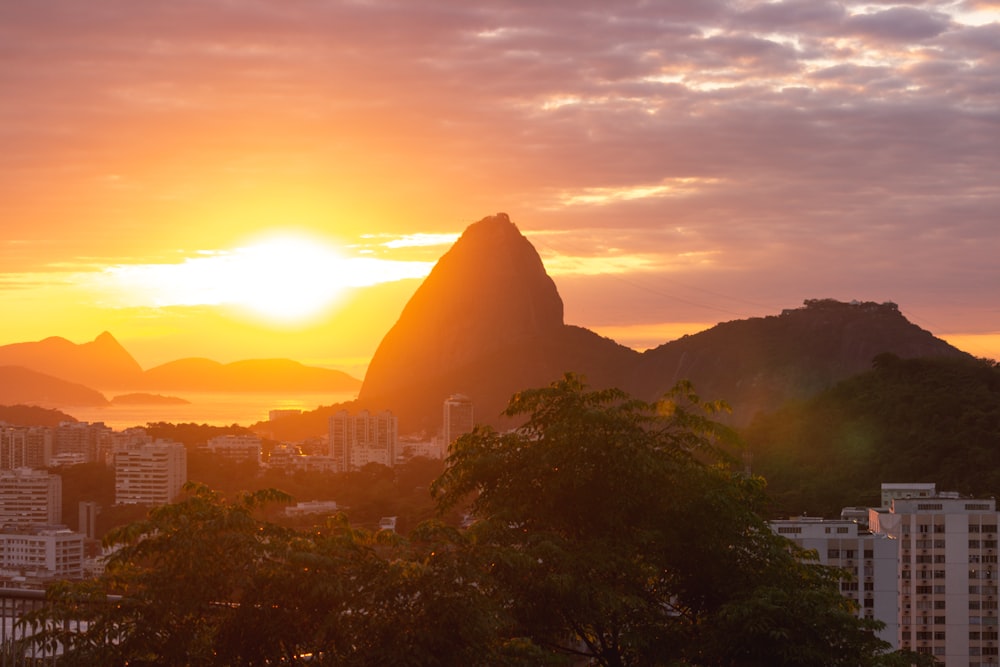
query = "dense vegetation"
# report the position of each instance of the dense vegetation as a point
(32, 415)
(608, 530)
(907, 420)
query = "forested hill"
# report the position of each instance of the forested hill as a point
(907, 420)
(758, 363)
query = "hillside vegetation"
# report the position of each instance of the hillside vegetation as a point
(906, 420)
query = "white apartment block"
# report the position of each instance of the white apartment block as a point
(947, 576)
(30, 497)
(459, 418)
(237, 448)
(79, 442)
(25, 447)
(871, 561)
(356, 440)
(151, 474)
(927, 569)
(41, 553)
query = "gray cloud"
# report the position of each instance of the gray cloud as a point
(830, 149)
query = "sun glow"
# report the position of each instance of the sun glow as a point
(282, 278)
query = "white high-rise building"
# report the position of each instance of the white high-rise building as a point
(356, 440)
(947, 576)
(41, 553)
(237, 448)
(25, 447)
(30, 497)
(926, 567)
(869, 559)
(151, 474)
(459, 418)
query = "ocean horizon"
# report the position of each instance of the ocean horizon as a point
(212, 408)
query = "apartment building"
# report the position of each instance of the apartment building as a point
(30, 497)
(870, 561)
(362, 438)
(25, 447)
(459, 418)
(947, 576)
(927, 569)
(150, 474)
(41, 553)
(79, 442)
(237, 448)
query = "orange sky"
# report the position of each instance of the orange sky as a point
(272, 179)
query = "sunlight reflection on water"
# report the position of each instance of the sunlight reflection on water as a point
(215, 409)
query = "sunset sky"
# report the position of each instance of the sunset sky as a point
(273, 178)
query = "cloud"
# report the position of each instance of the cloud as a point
(808, 147)
(899, 24)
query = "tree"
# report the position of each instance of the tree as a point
(203, 581)
(618, 531)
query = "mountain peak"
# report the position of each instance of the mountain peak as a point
(489, 293)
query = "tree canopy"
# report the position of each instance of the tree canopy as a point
(912, 420)
(606, 530)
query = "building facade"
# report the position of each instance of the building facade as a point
(25, 447)
(151, 474)
(947, 576)
(926, 566)
(870, 561)
(362, 438)
(459, 418)
(30, 497)
(237, 448)
(41, 553)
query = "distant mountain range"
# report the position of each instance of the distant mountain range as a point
(56, 373)
(488, 322)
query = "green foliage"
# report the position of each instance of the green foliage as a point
(617, 532)
(913, 420)
(609, 530)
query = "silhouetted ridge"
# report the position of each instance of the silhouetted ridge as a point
(103, 362)
(486, 322)
(759, 363)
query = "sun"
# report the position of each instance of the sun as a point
(283, 278)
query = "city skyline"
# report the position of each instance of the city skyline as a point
(274, 180)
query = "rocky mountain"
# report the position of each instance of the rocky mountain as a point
(759, 363)
(32, 415)
(21, 386)
(58, 373)
(103, 362)
(486, 322)
(270, 375)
